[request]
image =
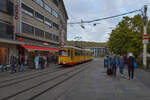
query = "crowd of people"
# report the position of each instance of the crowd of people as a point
(115, 62)
(42, 61)
(17, 63)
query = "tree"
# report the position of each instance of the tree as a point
(127, 36)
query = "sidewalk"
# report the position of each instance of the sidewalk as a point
(27, 70)
(143, 76)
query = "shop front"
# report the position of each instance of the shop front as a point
(6, 50)
(30, 52)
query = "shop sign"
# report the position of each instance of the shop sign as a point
(16, 12)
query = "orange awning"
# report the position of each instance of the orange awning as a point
(29, 47)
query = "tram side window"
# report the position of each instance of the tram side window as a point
(68, 52)
(62, 53)
(77, 53)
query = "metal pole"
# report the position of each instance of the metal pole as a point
(145, 33)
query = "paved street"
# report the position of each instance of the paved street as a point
(87, 81)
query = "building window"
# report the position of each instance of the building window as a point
(27, 10)
(6, 6)
(40, 2)
(39, 33)
(55, 25)
(6, 31)
(55, 38)
(48, 35)
(55, 13)
(3, 5)
(48, 22)
(39, 16)
(27, 29)
(48, 8)
(10, 7)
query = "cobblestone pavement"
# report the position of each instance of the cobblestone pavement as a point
(94, 84)
(91, 83)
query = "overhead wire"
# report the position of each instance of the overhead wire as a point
(106, 17)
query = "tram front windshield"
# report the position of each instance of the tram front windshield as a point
(63, 53)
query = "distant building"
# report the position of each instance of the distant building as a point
(98, 51)
(31, 25)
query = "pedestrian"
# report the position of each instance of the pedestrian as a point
(42, 62)
(12, 63)
(18, 63)
(106, 62)
(117, 61)
(45, 61)
(22, 61)
(48, 61)
(36, 60)
(121, 64)
(114, 65)
(4, 67)
(56, 59)
(131, 66)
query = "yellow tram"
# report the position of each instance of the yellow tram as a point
(69, 55)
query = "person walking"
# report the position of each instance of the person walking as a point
(18, 63)
(22, 63)
(105, 63)
(4, 68)
(131, 66)
(114, 65)
(48, 61)
(42, 62)
(12, 63)
(121, 64)
(117, 61)
(36, 60)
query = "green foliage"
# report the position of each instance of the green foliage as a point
(127, 36)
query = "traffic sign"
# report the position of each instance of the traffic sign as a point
(145, 41)
(145, 36)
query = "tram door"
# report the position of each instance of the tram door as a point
(71, 54)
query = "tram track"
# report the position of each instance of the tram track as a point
(46, 81)
(28, 74)
(15, 81)
(57, 84)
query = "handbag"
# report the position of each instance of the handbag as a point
(135, 65)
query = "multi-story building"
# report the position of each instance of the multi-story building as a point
(31, 26)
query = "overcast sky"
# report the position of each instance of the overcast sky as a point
(95, 9)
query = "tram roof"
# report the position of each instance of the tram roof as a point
(76, 48)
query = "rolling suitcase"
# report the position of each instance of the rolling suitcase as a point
(109, 71)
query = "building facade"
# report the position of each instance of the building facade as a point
(31, 25)
(99, 51)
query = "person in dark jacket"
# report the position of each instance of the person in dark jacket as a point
(13, 63)
(42, 61)
(131, 66)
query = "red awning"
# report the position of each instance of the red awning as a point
(29, 47)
